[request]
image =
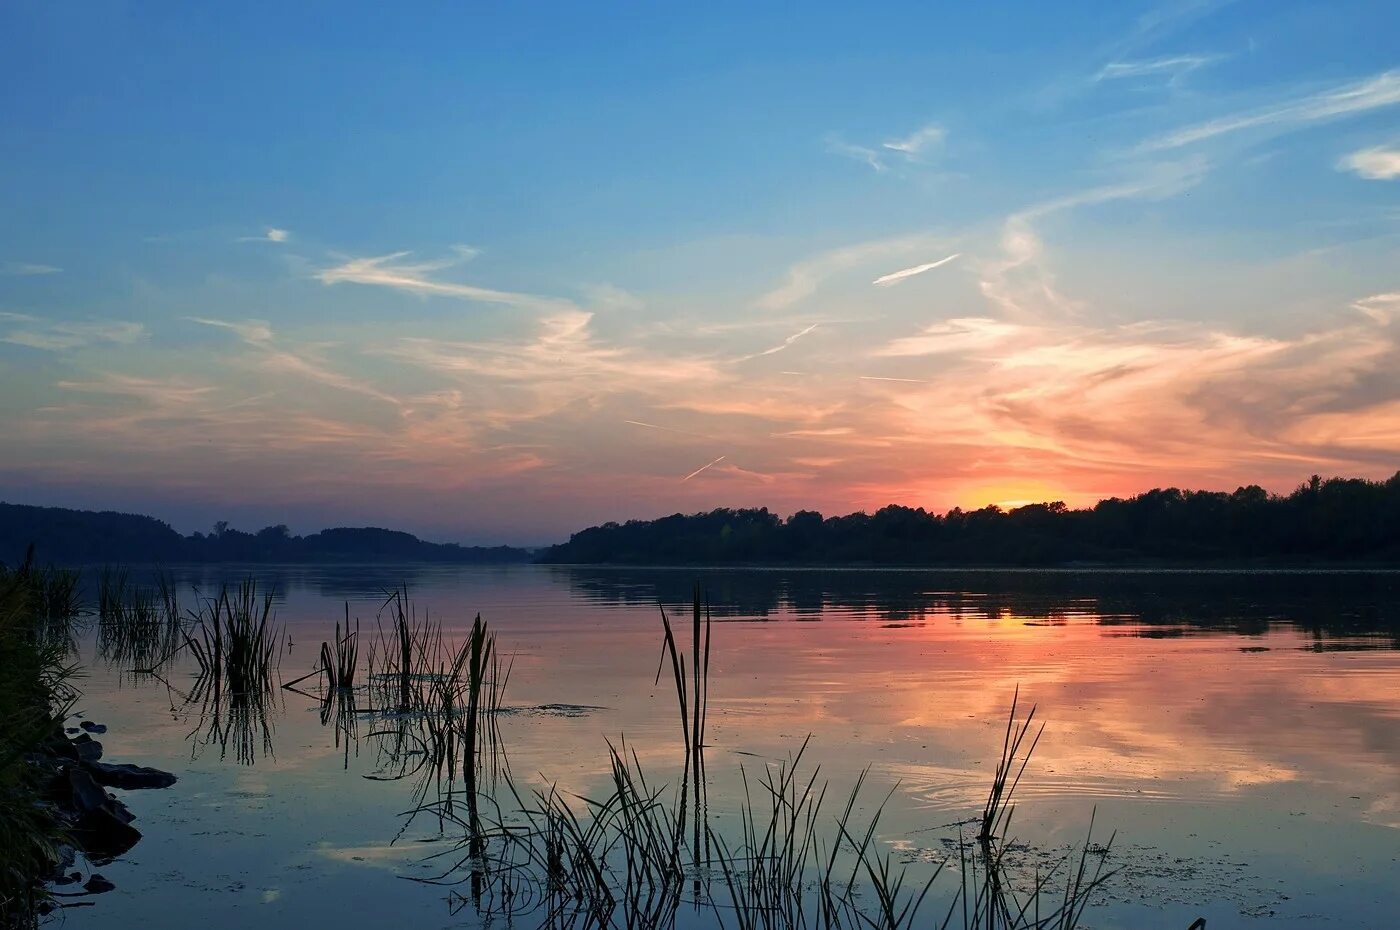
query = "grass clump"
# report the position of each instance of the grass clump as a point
(36, 694)
(143, 630)
(236, 646)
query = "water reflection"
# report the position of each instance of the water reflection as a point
(1243, 725)
(1328, 604)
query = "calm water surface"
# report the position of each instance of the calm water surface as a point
(1237, 730)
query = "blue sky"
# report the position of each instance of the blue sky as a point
(497, 273)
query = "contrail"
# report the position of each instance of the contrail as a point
(895, 277)
(780, 346)
(789, 341)
(664, 429)
(902, 380)
(702, 468)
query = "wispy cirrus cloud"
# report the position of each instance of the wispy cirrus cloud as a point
(1020, 284)
(1379, 163)
(253, 332)
(909, 149)
(918, 142)
(57, 335)
(304, 364)
(956, 336)
(1380, 308)
(1375, 92)
(861, 153)
(161, 393)
(1173, 66)
(1135, 397)
(271, 234)
(391, 271)
(559, 364)
(27, 269)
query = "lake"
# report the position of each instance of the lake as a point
(1239, 732)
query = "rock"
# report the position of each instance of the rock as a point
(97, 884)
(86, 748)
(79, 748)
(103, 835)
(93, 727)
(84, 795)
(129, 777)
(71, 730)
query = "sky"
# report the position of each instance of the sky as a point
(494, 273)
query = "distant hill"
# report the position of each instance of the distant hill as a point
(1340, 520)
(74, 536)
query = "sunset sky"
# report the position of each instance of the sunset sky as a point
(491, 273)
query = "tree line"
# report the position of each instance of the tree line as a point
(1333, 520)
(85, 536)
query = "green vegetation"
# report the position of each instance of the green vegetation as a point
(1340, 519)
(35, 695)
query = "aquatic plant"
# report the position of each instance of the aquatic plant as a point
(57, 592)
(692, 699)
(634, 854)
(237, 645)
(340, 660)
(144, 630)
(628, 858)
(111, 590)
(435, 707)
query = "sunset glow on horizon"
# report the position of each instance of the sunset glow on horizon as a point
(495, 296)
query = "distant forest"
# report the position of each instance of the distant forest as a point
(1333, 521)
(1337, 520)
(85, 536)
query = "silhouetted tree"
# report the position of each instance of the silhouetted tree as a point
(1334, 519)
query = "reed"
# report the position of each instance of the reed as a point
(628, 859)
(112, 583)
(996, 812)
(632, 856)
(140, 633)
(237, 721)
(237, 645)
(57, 592)
(692, 692)
(692, 700)
(339, 661)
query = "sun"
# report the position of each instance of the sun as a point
(1010, 494)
